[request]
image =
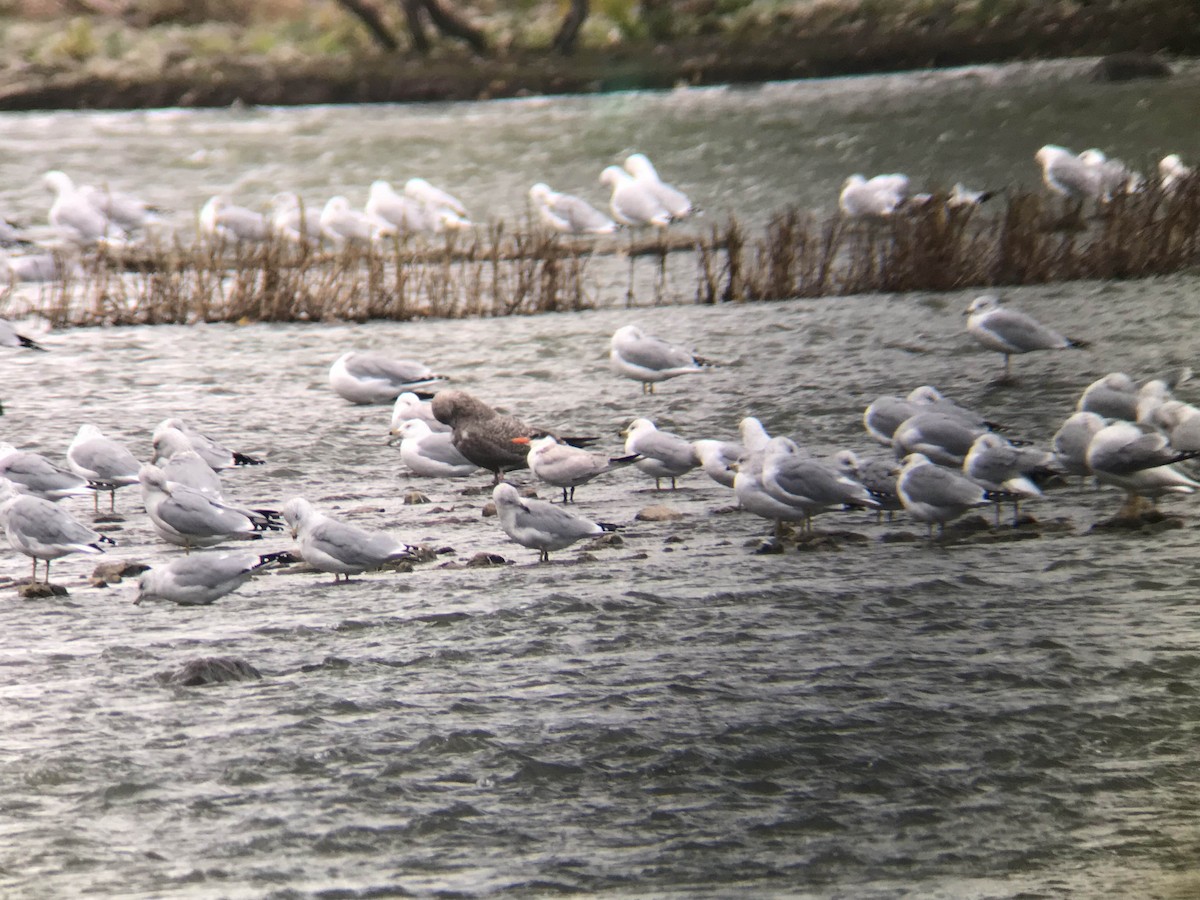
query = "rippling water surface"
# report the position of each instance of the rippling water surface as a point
(672, 715)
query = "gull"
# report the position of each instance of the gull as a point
(999, 467)
(41, 529)
(173, 453)
(37, 268)
(344, 225)
(293, 220)
(1010, 331)
(1115, 396)
(434, 198)
(748, 488)
(123, 209)
(187, 517)
(876, 475)
(211, 451)
(931, 493)
(367, 377)
(649, 359)
(431, 453)
(567, 213)
(1172, 172)
(568, 467)
(10, 337)
(31, 473)
(202, 579)
(962, 197)
(672, 199)
(403, 212)
(1139, 459)
(106, 464)
(754, 436)
(540, 525)
(1070, 442)
(74, 216)
(1066, 174)
(886, 413)
(222, 220)
(810, 485)
(490, 440)
(663, 454)
(632, 203)
(409, 406)
(1180, 422)
(877, 197)
(719, 459)
(939, 437)
(339, 547)
(1112, 176)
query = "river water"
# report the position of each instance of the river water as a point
(671, 715)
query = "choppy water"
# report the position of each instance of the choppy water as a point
(674, 715)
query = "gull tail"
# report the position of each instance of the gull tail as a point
(579, 441)
(609, 526)
(1078, 343)
(618, 461)
(103, 539)
(29, 343)
(241, 459)
(282, 558)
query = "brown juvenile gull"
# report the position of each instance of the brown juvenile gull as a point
(490, 440)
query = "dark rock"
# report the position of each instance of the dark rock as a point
(1148, 521)
(114, 572)
(485, 560)
(1128, 66)
(40, 591)
(658, 513)
(210, 670)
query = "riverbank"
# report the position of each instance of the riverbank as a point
(98, 66)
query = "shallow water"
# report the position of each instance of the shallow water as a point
(674, 715)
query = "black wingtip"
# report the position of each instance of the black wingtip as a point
(104, 539)
(282, 557)
(241, 459)
(609, 526)
(1078, 343)
(579, 441)
(30, 343)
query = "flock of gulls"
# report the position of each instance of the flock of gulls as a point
(83, 216)
(943, 461)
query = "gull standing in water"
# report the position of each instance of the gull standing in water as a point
(567, 213)
(366, 377)
(106, 464)
(41, 529)
(649, 359)
(1010, 331)
(75, 217)
(663, 454)
(187, 517)
(932, 494)
(673, 200)
(568, 467)
(1139, 459)
(339, 547)
(211, 451)
(200, 580)
(540, 525)
(808, 484)
(32, 473)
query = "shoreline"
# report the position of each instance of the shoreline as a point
(786, 53)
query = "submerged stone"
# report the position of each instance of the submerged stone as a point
(210, 670)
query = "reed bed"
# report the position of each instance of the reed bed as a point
(1023, 238)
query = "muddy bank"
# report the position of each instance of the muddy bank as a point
(1145, 41)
